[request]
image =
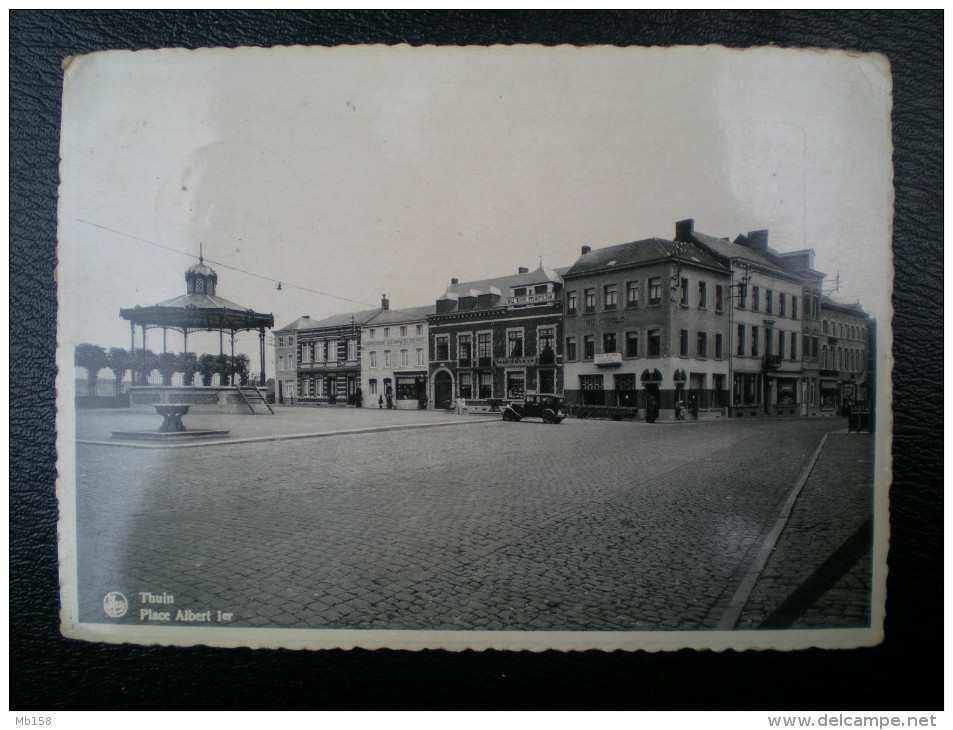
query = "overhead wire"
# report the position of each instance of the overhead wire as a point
(280, 284)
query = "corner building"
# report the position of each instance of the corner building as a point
(647, 326)
(497, 339)
(766, 337)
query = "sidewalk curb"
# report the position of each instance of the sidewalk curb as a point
(279, 437)
(738, 601)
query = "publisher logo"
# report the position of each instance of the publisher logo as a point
(115, 604)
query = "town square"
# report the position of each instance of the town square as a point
(415, 520)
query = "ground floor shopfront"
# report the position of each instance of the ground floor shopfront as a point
(507, 379)
(404, 390)
(769, 394)
(662, 390)
(333, 386)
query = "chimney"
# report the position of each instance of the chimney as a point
(684, 230)
(586, 249)
(385, 304)
(523, 270)
(305, 316)
(454, 281)
(758, 241)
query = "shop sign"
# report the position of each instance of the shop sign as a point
(530, 299)
(613, 319)
(512, 362)
(603, 359)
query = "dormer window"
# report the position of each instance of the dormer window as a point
(519, 291)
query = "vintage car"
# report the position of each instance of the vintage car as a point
(548, 407)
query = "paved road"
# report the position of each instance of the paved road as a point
(585, 525)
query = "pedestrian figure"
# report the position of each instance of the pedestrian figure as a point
(390, 401)
(679, 411)
(359, 398)
(651, 409)
(693, 406)
(380, 402)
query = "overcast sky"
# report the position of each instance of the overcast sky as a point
(357, 171)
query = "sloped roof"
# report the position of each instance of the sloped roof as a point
(734, 250)
(855, 308)
(335, 320)
(483, 286)
(197, 311)
(639, 252)
(396, 316)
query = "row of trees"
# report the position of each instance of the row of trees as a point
(142, 363)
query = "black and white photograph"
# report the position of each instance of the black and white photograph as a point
(475, 348)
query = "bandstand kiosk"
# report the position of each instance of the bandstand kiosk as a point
(199, 309)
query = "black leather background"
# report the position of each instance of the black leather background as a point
(48, 672)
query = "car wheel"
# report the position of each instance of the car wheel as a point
(507, 416)
(549, 417)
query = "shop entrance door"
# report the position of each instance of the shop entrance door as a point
(442, 390)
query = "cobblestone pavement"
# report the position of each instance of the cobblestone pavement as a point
(492, 525)
(835, 501)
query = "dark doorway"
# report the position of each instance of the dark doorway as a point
(442, 390)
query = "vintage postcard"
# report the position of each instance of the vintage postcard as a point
(462, 347)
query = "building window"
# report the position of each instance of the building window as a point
(465, 350)
(387, 359)
(546, 345)
(794, 345)
(486, 385)
(281, 342)
(702, 295)
(719, 297)
(588, 347)
(420, 330)
(372, 386)
(768, 301)
(352, 350)
(610, 296)
(655, 291)
(590, 300)
(741, 339)
(684, 298)
(719, 347)
(781, 302)
(608, 342)
(631, 344)
(570, 348)
(793, 307)
(485, 348)
(420, 356)
(742, 296)
(781, 343)
(632, 294)
(441, 348)
(592, 389)
(683, 343)
(514, 343)
(371, 333)
(824, 327)
(404, 358)
(755, 299)
(571, 303)
(754, 341)
(386, 332)
(516, 384)
(466, 385)
(655, 343)
(702, 344)
(372, 356)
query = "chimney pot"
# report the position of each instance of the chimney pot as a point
(523, 270)
(385, 304)
(454, 281)
(684, 230)
(586, 249)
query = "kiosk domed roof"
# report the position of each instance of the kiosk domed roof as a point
(200, 269)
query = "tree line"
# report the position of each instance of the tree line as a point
(141, 363)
